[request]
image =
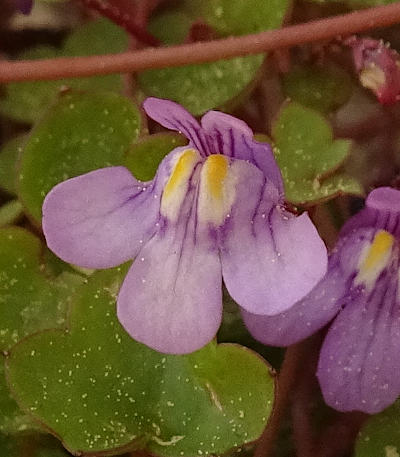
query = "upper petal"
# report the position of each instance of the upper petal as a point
(270, 258)
(382, 211)
(174, 117)
(360, 358)
(101, 219)
(171, 299)
(234, 138)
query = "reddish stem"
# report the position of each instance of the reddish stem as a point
(327, 28)
(113, 11)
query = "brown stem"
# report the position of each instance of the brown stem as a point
(327, 28)
(284, 390)
(113, 11)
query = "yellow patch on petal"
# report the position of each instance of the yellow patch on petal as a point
(215, 171)
(375, 258)
(217, 189)
(178, 183)
(181, 172)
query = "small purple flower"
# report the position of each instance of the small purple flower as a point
(215, 208)
(359, 363)
(24, 6)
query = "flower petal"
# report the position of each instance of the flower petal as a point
(303, 319)
(234, 138)
(101, 219)
(174, 117)
(321, 304)
(171, 299)
(270, 258)
(360, 357)
(382, 211)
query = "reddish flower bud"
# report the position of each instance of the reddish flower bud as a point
(378, 68)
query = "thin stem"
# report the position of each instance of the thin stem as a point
(284, 391)
(327, 28)
(124, 19)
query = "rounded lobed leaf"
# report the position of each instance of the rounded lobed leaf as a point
(100, 391)
(308, 155)
(26, 101)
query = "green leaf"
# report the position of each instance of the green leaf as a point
(200, 88)
(236, 17)
(321, 88)
(170, 26)
(100, 390)
(28, 300)
(380, 436)
(82, 132)
(12, 419)
(9, 155)
(145, 156)
(206, 86)
(308, 155)
(10, 212)
(26, 101)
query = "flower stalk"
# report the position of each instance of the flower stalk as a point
(209, 51)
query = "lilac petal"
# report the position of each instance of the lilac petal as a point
(234, 138)
(317, 308)
(360, 358)
(174, 117)
(171, 299)
(384, 198)
(270, 258)
(101, 219)
(303, 319)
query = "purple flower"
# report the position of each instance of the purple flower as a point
(359, 363)
(24, 6)
(215, 208)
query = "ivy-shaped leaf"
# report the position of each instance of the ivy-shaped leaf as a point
(12, 419)
(380, 436)
(80, 133)
(100, 391)
(308, 156)
(321, 88)
(26, 101)
(203, 87)
(29, 302)
(145, 155)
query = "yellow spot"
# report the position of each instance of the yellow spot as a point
(383, 242)
(216, 169)
(181, 172)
